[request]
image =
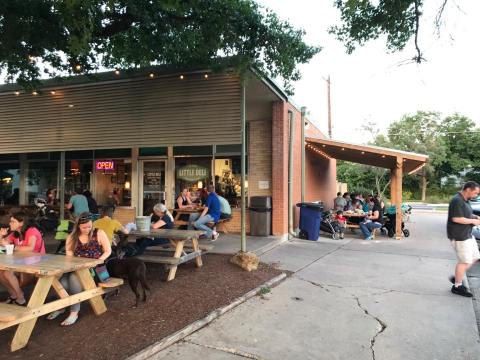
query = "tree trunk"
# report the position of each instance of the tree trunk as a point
(424, 185)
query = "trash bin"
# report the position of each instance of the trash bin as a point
(310, 219)
(260, 215)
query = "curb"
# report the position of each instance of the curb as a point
(197, 325)
(270, 246)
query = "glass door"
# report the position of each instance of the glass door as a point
(152, 184)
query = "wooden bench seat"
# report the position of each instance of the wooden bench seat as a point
(168, 260)
(11, 312)
(111, 283)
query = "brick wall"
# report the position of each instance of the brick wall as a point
(260, 157)
(320, 178)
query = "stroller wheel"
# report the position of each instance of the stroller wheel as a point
(391, 233)
(383, 231)
(336, 236)
(406, 232)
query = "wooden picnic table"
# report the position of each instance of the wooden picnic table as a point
(177, 238)
(48, 268)
(350, 216)
(185, 211)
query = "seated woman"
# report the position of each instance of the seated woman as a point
(184, 201)
(160, 219)
(25, 237)
(373, 221)
(87, 242)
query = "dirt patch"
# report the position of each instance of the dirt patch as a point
(123, 331)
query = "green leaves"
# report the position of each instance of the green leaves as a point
(67, 37)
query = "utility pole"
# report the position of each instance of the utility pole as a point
(329, 108)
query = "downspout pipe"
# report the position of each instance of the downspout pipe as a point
(290, 173)
(62, 185)
(304, 111)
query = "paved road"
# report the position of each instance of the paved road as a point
(385, 299)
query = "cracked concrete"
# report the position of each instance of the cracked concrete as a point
(381, 300)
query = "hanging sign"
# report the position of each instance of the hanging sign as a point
(105, 165)
(192, 173)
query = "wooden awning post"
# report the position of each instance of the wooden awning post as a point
(393, 187)
(398, 197)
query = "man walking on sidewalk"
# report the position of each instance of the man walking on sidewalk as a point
(459, 230)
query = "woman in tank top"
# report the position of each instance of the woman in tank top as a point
(84, 241)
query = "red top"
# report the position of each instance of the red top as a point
(340, 218)
(33, 231)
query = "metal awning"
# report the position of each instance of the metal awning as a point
(367, 154)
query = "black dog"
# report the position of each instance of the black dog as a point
(132, 269)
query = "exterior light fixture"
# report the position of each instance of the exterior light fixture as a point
(53, 92)
(71, 106)
(34, 93)
(363, 152)
(117, 72)
(324, 145)
(383, 156)
(151, 75)
(17, 93)
(182, 77)
(78, 67)
(31, 58)
(127, 185)
(343, 149)
(205, 76)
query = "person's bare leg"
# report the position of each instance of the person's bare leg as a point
(13, 282)
(6, 284)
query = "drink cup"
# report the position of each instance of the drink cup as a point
(9, 249)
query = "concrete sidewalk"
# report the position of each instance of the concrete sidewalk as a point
(384, 299)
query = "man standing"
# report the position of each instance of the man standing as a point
(211, 213)
(78, 202)
(459, 231)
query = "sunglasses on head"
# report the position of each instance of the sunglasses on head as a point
(84, 218)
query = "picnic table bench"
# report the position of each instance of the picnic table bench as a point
(48, 269)
(175, 256)
(193, 210)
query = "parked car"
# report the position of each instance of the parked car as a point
(475, 204)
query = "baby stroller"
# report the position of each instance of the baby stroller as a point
(330, 225)
(389, 225)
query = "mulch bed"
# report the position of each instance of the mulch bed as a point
(123, 331)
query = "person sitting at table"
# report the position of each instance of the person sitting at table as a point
(211, 213)
(373, 221)
(26, 237)
(86, 242)
(160, 219)
(184, 201)
(109, 225)
(225, 209)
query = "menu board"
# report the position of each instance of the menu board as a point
(152, 179)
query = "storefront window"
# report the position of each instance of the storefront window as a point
(113, 179)
(77, 175)
(9, 183)
(193, 173)
(228, 178)
(41, 177)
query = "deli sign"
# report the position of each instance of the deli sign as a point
(105, 165)
(192, 173)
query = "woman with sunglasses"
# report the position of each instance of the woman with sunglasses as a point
(84, 241)
(26, 237)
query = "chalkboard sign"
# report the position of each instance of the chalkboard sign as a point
(151, 180)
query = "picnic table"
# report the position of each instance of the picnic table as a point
(170, 258)
(350, 216)
(48, 269)
(185, 211)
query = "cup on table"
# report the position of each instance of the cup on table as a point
(9, 249)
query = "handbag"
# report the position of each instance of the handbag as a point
(100, 273)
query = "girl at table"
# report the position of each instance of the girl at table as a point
(26, 237)
(84, 241)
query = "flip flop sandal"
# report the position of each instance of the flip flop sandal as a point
(55, 314)
(10, 300)
(20, 304)
(70, 320)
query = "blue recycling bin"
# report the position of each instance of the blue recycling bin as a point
(310, 219)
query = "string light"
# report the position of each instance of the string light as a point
(205, 76)
(71, 106)
(53, 92)
(117, 72)
(17, 93)
(34, 93)
(182, 77)
(383, 156)
(151, 75)
(363, 152)
(78, 67)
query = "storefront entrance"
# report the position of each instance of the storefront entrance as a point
(151, 184)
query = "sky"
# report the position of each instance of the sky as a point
(371, 85)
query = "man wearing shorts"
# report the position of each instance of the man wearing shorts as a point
(459, 230)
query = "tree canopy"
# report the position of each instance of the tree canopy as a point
(399, 20)
(77, 37)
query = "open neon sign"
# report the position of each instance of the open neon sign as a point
(105, 165)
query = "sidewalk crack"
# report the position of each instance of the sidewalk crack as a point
(231, 351)
(380, 330)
